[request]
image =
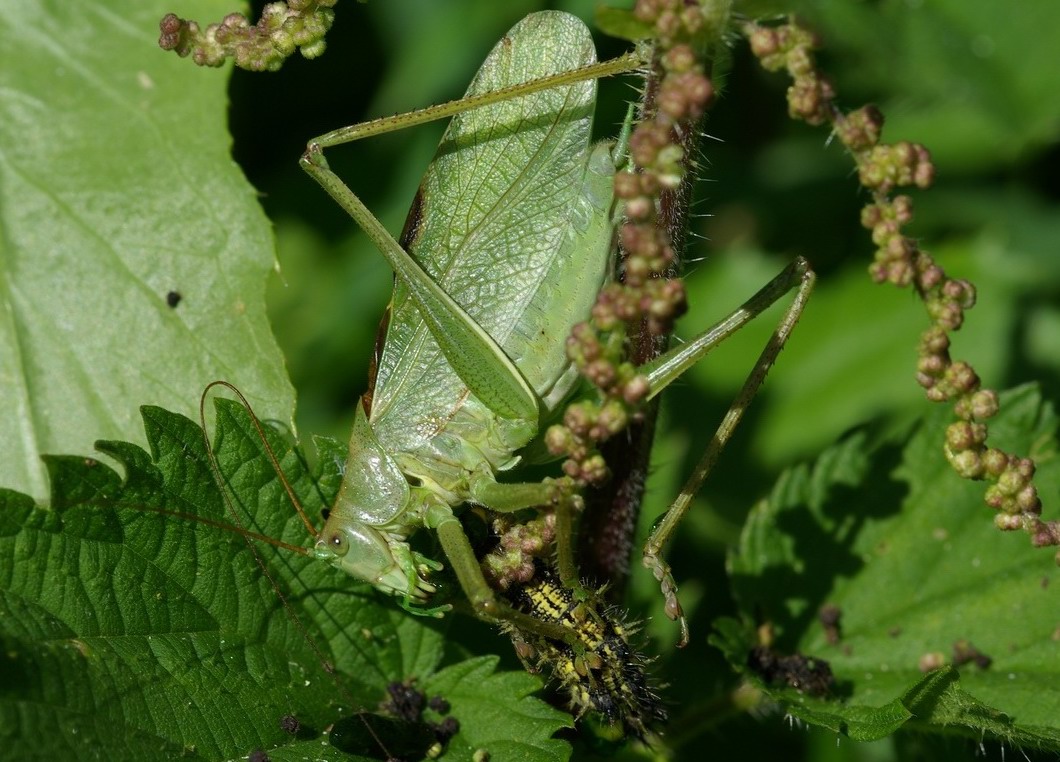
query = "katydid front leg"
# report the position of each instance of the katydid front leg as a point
(664, 370)
(480, 595)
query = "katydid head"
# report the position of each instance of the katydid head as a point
(365, 553)
(365, 530)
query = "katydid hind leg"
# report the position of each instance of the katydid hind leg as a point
(668, 367)
(671, 365)
(471, 351)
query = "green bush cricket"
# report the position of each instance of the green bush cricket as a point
(496, 274)
(508, 242)
(159, 654)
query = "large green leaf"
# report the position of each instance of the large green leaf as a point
(117, 194)
(134, 634)
(991, 67)
(498, 714)
(907, 551)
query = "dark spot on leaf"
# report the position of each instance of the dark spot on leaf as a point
(829, 616)
(446, 729)
(365, 734)
(964, 652)
(290, 724)
(173, 299)
(805, 674)
(405, 702)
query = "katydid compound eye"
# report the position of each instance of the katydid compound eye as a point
(338, 543)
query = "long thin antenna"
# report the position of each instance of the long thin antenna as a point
(226, 528)
(248, 535)
(264, 441)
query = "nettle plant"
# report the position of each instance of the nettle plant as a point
(838, 570)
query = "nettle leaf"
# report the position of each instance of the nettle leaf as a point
(134, 252)
(958, 49)
(131, 632)
(497, 712)
(906, 550)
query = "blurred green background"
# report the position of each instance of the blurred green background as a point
(974, 80)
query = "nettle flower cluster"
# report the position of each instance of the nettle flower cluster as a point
(899, 260)
(644, 296)
(518, 545)
(282, 29)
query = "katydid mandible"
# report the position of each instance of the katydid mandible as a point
(506, 246)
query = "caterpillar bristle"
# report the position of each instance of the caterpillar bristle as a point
(608, 677)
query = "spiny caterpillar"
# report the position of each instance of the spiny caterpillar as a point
(608, 677)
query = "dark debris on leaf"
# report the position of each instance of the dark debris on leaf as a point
(407, 703)
(438, 704)
(829, 616)
(964, 652)
(805, 674)
(290, 724)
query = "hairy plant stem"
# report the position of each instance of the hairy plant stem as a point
(612, 509)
